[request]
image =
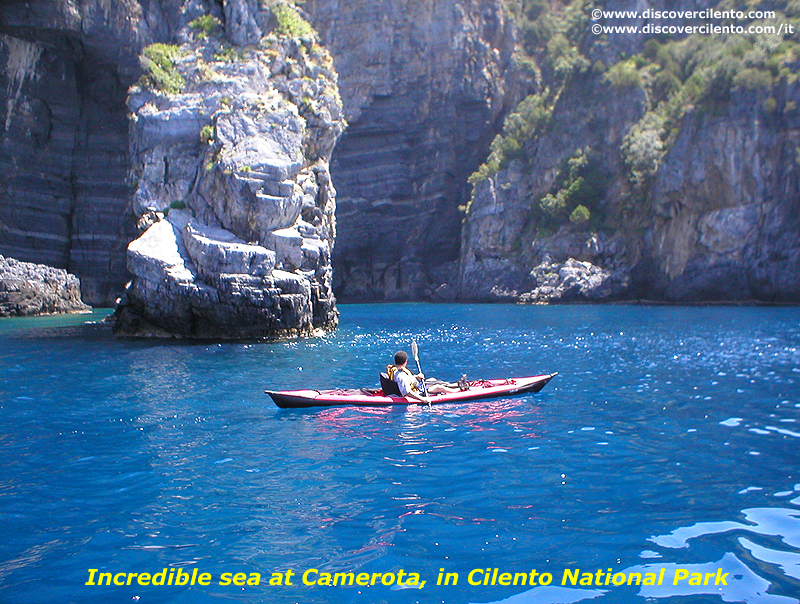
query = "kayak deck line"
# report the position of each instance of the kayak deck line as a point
(374, 397)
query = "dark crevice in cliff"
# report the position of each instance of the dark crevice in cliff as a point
(401, 176)
(70, 220)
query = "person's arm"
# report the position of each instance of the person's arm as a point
(415, 395)
(406, 385)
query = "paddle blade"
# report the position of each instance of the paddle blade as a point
(415, 350)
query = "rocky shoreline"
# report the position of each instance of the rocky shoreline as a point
(28, 289)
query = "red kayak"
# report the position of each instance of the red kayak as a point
(297, 399)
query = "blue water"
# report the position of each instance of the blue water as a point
(670, 440)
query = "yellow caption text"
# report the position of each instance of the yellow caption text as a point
(477, 577)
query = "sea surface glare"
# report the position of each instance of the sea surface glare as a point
(669, 442)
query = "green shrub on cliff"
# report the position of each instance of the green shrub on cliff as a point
(552, 35)
(643, 147)
(753, 78)
(205, 25)
(531, 115)
(580, 184)
(227, 54)
(624, 74)
(207, 134)
(158, 62)
(290, 23)
(580, 215)
(564, 56)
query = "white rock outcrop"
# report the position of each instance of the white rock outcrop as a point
(234, 189)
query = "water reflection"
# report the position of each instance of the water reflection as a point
(740, 585)
(746, 575)
(773, 522)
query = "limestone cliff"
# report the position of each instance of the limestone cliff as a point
(425, 85)
(64, 70)
(34, 289)
(220, 175)
(668, 173)
(230, 147)
(726, 204)
(633, 167)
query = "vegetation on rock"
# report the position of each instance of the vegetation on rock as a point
(550, 51)
(628, 148)
(693, 73)
(237, 152)
(579, 185)
(161, 74)
(580, 215)
(290, 23)
(698, 73)
(207, 134)
(532, 114)
(227, 54)
(205, 25)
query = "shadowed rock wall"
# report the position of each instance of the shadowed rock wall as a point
(65, 72)
(64, 157)
(424, 85)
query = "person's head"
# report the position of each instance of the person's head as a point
(400, 357)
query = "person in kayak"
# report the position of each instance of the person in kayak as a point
(409, 383)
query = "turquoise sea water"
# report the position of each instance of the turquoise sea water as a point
(670, 441)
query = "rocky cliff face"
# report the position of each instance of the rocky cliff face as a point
(669, 172)
(231, 129)
(230, 148)
(424, 85)
(506, 255)
(63, 138)
(64, 153)
(671, 175)
(35, 289)
(726, 205)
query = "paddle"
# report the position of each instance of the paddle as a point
(415, 352)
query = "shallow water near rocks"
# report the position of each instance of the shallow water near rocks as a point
(669, 440)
